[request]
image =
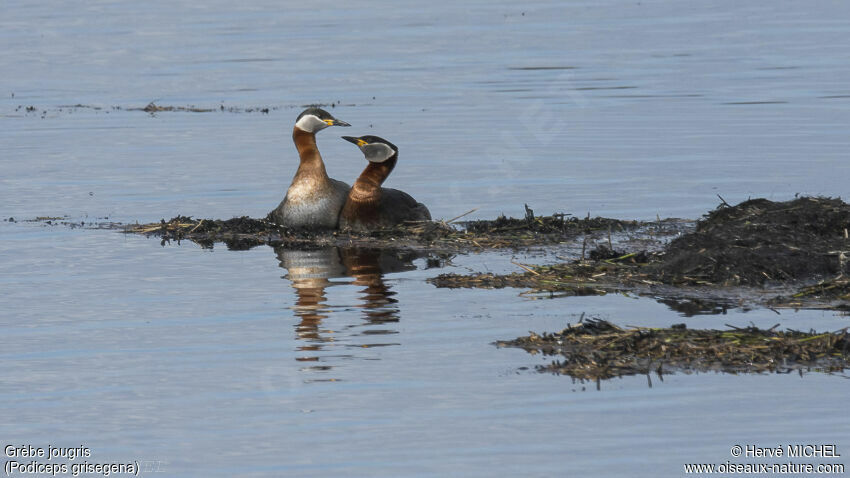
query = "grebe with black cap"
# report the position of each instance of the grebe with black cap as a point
(368, 204)
(313, 200)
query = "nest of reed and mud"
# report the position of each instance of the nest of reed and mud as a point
(596, 349)
(761, 241)
(800, 247)
(246, 232)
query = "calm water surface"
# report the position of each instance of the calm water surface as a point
(345, 361)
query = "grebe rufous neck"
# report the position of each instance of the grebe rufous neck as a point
(369, 205)
(313, 200)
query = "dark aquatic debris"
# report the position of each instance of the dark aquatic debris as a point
(761, 241)
(153, 107)
(596, 349)
(543, 225)
(787, 254)
(776, 254)
(66, 221)
(437, 235)
(581, 275)
(237, 233)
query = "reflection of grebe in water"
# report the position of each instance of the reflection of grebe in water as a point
(367, 267)
(311, 272)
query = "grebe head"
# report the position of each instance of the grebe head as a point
(313, 120)
(376, 150)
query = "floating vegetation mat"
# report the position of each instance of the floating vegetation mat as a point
(761, 241)
(596, 349)
(760, 253)
(763, 253)
(783, 254)
(246, 232)
(154, 108)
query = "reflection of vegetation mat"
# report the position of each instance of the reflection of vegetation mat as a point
(801, 244)
(596, 349)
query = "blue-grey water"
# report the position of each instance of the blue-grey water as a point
(346, 362)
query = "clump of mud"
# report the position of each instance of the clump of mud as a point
(596, 349)
(760, 241)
